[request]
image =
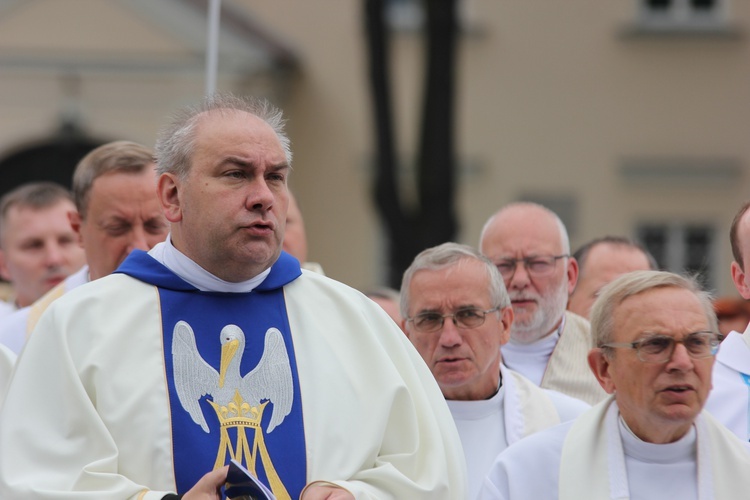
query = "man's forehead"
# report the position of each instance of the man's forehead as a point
(668, 310)
(467, 284)
(610, 259)
(29, 210)
(524, 232)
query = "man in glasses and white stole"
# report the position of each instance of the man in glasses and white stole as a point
(458, 314)
(655, 337)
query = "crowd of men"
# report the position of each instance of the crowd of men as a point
(166, 322)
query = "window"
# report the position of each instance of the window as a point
(682, 248)
(409, 15)
(682, 13)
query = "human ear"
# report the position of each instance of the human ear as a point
(168, 192)
(600, 365)
(739, 279)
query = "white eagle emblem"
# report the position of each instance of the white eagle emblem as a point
(270, 380)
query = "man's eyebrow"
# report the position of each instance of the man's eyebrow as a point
(279, 167)
(241, 162)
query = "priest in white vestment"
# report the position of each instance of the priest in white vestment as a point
(656, 336)
(458, 314)
(215, 345)
(548, 345)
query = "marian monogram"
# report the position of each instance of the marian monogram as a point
(239, 401)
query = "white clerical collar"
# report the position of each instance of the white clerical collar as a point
(477, 409)
(188, 270)
(683, 450)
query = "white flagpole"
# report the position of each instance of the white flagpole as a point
(212, 46)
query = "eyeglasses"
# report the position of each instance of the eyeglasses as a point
(471, 317)
(660, 348)
(538, 266)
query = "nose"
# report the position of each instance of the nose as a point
(54, 255)
(680, 360)
(260, 197)
(520, 278)
(449, 335)
(138, 239)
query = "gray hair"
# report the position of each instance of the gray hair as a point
(175, 142)
(635, 283)
(446, 255)
(564, 238)
(118, 156)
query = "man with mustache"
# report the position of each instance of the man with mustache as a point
(530, 247)
(38, 248)
(215, 346)
(656, 336)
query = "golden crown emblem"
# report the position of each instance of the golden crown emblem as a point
(240, 415)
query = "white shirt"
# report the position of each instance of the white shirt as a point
(530, 360)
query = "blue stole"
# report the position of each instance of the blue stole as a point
(278, 458)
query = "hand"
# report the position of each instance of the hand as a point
(209, 486)
(326, 492)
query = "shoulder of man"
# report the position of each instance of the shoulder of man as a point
(574, 322)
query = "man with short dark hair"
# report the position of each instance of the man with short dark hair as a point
(655, 340)
(215, 345)
(600, 261)
(38, 247)
(116, 211)
(530, 247)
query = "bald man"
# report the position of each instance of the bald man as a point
(601, 261)
(529, 245)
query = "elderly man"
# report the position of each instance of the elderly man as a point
(656, 336)
(529, 245)
(730, 397)
(116, 211)
(215, 345)
(492, 406)
(38, 247)
(602, 260)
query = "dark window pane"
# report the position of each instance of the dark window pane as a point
(654, 238)
(658, 4)
(703, 5)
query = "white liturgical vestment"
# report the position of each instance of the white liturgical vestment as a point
(136, 384)
(596, 457)
(729, 398)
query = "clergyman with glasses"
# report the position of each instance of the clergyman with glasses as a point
(457, 314)
(529, 245)
(655, 338)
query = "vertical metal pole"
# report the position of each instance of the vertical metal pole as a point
(212, 45)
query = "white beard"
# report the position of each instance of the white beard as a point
(550, 309)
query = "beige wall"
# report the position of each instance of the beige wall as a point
(552, 98)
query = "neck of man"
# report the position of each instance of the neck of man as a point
(531, 336)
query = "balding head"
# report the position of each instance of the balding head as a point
(601, 261)
(540, 285)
